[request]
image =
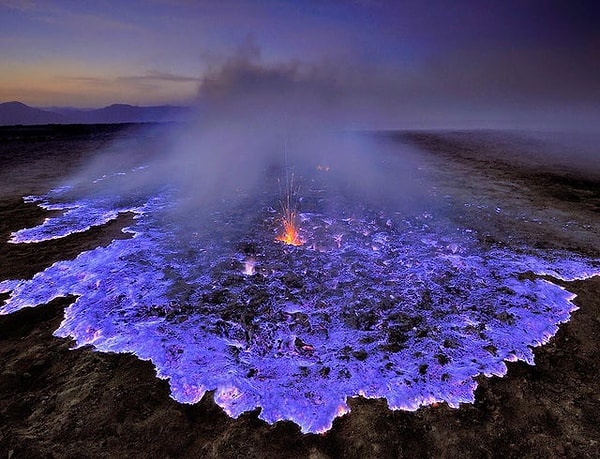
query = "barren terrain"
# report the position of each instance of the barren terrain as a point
(57, 402)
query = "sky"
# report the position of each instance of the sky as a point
(423, 59)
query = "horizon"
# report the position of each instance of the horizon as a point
(70, 107)
(532, 124)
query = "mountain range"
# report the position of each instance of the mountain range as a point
(17, 113)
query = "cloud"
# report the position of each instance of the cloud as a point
(162, 88)
(160, 76)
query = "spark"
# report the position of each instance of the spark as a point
(289, 218)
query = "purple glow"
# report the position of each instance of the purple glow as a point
(407, 310)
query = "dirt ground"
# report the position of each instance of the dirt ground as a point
(57, 402)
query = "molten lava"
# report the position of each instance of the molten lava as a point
(290, 234)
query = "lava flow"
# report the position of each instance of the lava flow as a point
(404, 322)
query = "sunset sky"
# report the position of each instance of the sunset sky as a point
(427, 56)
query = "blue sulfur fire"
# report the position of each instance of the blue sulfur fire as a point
(408, 309)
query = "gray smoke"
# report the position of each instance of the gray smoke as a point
(254, 125)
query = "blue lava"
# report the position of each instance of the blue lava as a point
(410, 311)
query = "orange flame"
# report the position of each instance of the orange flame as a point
(290, 234)
(289, 218)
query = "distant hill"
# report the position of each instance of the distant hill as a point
(18, 113)
(12, 113)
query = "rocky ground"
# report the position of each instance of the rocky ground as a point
(57, 402)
